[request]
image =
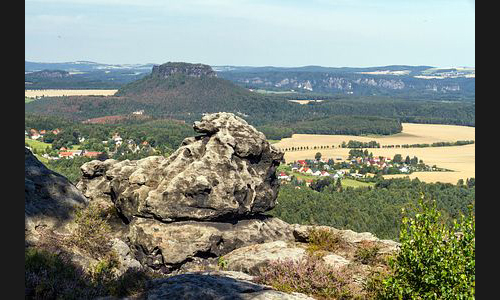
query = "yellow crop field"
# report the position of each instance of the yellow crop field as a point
(58, 93)
(460, 159)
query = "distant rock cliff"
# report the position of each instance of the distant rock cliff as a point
(194, 70)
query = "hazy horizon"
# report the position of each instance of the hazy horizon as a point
(278, 33)
(258, 66)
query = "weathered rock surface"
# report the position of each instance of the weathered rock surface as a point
(228, 172)
(168, 246)
(215, 286)
(50, 198)
(251, 259)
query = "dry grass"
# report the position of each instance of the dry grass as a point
(59, 93)
(460, 159)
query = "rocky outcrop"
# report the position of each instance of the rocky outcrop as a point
(196, 216)
(183, 213)
(227, 172)
(50, 198)
(171, 68)
(216, 285)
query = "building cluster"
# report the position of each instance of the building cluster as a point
(354, 167)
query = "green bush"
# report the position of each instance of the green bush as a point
(435, 261)
(93, 231)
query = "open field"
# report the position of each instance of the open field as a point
(460, 159)
(37, 145)
(40, 146)
(58, 93)
(305, 101)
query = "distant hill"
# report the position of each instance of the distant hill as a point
(409, 82)
(82, 75)
(183, 91)
(174, 90)
(48, 74)
(82, 66)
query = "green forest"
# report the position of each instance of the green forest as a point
(366, 209)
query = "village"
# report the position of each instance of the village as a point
(34, 140)
(359, 165)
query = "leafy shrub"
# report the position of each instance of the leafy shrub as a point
(222, 263)
(103, 271)
(436, 261)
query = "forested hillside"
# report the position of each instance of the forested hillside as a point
(376, 210)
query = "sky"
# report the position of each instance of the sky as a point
(282, 33)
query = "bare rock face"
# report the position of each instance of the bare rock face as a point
(228, 172)
(194, 70)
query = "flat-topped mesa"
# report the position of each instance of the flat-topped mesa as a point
(228, 172)
(193, 70)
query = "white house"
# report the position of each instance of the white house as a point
(305, 170)
(118, 140)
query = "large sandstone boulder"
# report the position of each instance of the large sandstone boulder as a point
(227, 172)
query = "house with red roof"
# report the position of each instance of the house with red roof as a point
(283, 175)
(66, 154)
(91, 154)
